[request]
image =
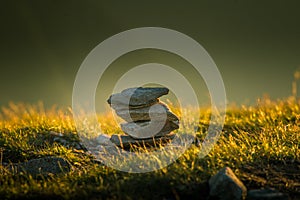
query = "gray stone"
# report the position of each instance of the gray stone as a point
(156, 112)
(104, 139)
(53, 133)
(68, 140)
(62, 141)
(226, 186)
(137, 96)
(266, 194)
(42, 166)
(126, 141)
(149, 129)
(128, 107)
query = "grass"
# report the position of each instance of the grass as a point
(261, 145)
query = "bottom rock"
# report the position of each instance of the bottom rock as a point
(148, 129)
(125, 141)
(266, 194)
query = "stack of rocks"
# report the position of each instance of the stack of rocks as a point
(148, 120)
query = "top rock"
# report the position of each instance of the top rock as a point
(138, 96)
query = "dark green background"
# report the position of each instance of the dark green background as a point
(255, 44)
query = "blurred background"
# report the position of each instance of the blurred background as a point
(255, 44)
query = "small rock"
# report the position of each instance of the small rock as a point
(158, 112)
(148, 129)
(103, 139)
(125, 141)
(68, 140)
(61, 141)
(43, 166)
(266, 194)
(137, 96)
(226, 186)
(53, 133)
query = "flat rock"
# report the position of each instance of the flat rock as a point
(156, 112)
(137, 97)
(149, 129)
(42, 166)
(226, 186)
(266, 194)
(128, 107)
(104, 140)
(126, 141)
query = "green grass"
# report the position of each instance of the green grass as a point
(261, 145)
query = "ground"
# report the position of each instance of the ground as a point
(260, 143)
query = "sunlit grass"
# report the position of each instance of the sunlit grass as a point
(260, 143)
